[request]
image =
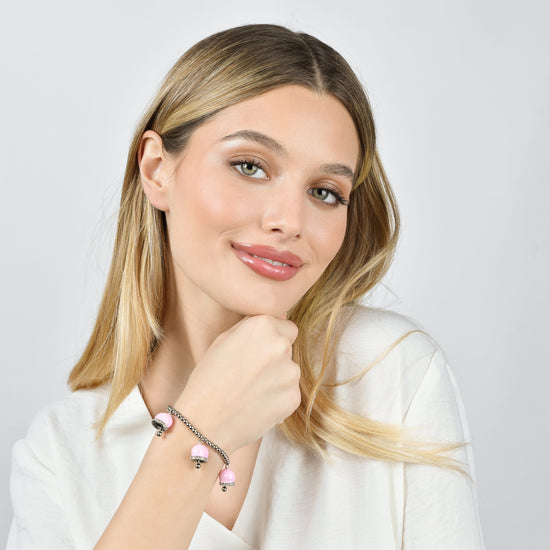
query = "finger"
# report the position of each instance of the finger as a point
(287, 329)
(232, 329)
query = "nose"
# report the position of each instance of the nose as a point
(284, 213)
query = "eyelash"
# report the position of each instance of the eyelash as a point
(337, 195)
(247, 161)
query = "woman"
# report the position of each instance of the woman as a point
(255, 213)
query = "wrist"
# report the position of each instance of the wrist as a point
(206, 421)
(203, 448)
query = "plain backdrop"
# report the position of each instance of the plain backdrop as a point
(461, 96)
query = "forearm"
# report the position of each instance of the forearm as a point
(166, 499)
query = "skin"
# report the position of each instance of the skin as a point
(210, 202)
(226, 359)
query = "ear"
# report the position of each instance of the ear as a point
(155, 168)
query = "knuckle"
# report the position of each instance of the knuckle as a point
(289, 350)
(297, 371)
(293, 330)
(262, 322)
(281, 346)
(296, 400)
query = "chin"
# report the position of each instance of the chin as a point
(263, 310)
(263, 307)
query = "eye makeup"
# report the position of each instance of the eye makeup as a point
(250, 168)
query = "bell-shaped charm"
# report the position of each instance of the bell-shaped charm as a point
(199, 454)
(162, 422)
(227, 478)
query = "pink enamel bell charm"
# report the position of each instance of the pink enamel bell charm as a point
(162, 422)
(199, 454)
(227, 478)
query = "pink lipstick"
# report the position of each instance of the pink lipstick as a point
(268, 261)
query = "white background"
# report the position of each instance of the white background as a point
(461, 96)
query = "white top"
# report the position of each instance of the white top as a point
(66, 486)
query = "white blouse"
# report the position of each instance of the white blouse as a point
(66, 486)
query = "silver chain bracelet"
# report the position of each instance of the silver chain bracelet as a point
(199, 453)
(203, 439)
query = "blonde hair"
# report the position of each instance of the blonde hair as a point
(221, 70)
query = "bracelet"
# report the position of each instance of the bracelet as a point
(199, 453)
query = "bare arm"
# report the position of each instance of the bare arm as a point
(164, 503)
(166, 499)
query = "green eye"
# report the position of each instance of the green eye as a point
(321, 194)
(248, 168)
(328, 196)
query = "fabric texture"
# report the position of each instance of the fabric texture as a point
(66, 485)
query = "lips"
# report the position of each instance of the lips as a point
(268, 261)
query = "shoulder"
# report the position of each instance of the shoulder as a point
(382, 358)
(368, 333)
(64, 475)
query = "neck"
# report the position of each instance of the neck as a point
(190, 324)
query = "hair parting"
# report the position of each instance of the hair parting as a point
(219, 71)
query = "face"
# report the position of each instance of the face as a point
(256, 205)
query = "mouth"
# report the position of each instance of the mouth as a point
(268, 261)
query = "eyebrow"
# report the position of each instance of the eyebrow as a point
(263, 139)
(258, 137)
(339, 170)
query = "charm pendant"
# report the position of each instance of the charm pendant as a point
(162, 422)
(227, 478)
(199, 454)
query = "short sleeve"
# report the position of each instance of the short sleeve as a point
(38, 521)
(440, 508)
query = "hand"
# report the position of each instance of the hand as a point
(245, 384)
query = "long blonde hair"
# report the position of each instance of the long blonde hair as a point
(221, 70)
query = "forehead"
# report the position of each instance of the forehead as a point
(315, 126)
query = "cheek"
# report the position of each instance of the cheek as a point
(329, 238)
(226, 209)
(212, 207)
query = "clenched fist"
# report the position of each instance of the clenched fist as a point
(245, 384)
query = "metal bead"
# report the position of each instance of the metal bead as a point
(202, 439)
